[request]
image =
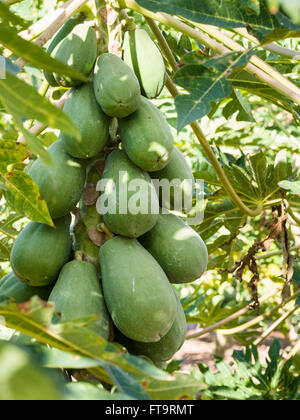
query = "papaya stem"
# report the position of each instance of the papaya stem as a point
(275, 325)
(197, 130)
(232, 317)
(274, 48)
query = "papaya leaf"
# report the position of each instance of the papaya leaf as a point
(26, 381)
(206, 83)
(229, 14)
(23, 196)
(6, 226)
(292, 186)
(5, 248)
(238, 104)
(23, 100)
(35, 55)
(34, 318)
(12, 152)
(7, 16)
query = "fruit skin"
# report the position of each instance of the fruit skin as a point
(78, 50)
(64, 31)
(116, 87)
(146, 137)
(82, 107)
(179, 250)
(138, 295)
(128, 224)
(40, 251)
(77, 294)
(12, 287)
(143, 56)
(61, 183)
(177, 168)
(163, 349)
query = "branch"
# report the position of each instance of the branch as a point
(273, 327)
(232, 317)
(274, 48)
(259, 318)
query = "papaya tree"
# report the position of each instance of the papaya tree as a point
(109, 267)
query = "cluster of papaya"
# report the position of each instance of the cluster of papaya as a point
(148, 251)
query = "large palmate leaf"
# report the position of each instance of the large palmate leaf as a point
(206, 82)
(230, 14)
(35, 55)
(23, 100)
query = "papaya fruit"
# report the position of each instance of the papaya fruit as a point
(179, 250)
(179, 173)
(78, 50)
(116, 87)
(143, 56)
(61, 183)
(82, 107)
(61, 34)
(124, 220)
(40, 251)
(136, 290)
(166, 347)
(77, 294)
(12, 287)
(146, 137)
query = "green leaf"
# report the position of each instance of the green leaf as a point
(22, 379)
(12, 152)
(24, 197)
(84, 391)
(240, 105)
(35, 55)
(292, 186)
(23, 100)
(34, 318)
(230, 14)
(7, 16)
(207, 82)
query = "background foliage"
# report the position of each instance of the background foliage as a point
(246, 96)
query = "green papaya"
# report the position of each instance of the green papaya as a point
(12, 287)
(82, 107)
(179, 250)
(182, 182)
(61, 183)
(125, 218)
(116, 87)
(78, 50)
(40, 251)
(137, 293)
(143, 56)
(166, 347)
(77, 294)
(146, 137)
(61, 34)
